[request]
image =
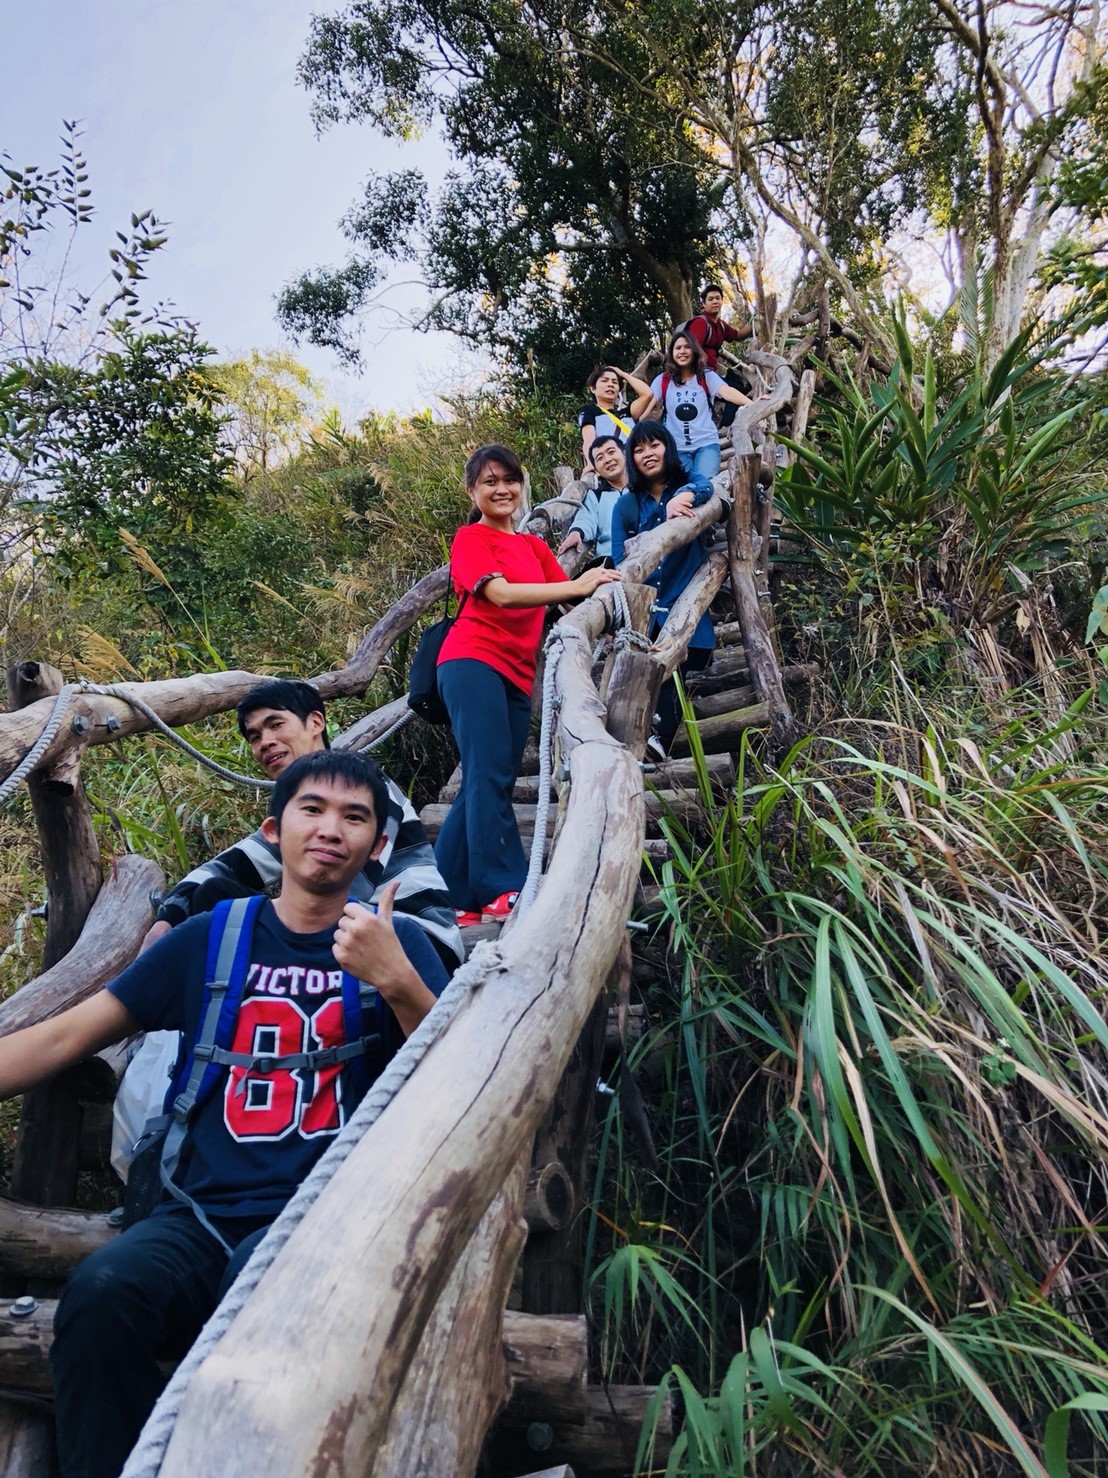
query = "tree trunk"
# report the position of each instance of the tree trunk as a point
(47, 1147)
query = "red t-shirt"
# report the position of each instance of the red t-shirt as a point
(507, 640)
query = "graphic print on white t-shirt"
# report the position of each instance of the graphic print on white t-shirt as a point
(688, 410)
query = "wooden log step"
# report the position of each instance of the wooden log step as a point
(48, 1242)
(713, 704)
(729, 634)
(672, 774)
(546, 1357)
(724, 731)
(729, 670)
(548, 1362)
(602, 1442)
(658, 802)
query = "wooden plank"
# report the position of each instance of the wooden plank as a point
(725, 730)
(40, 1242)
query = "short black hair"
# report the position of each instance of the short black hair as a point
(350, 769)
(288, 696)
(710, 287)
(673, 470)
(603, 441)
(601, 369)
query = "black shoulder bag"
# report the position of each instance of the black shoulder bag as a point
(423, 681)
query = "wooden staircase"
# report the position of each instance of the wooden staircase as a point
(409, 1257)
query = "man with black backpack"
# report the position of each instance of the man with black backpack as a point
(289, 1009)
(712, 331)
(281, 720)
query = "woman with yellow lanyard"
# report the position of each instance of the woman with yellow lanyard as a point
(601, 418)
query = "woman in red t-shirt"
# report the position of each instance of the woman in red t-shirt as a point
(486, 672)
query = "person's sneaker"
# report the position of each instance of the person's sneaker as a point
(655, 750)
(463, 917)
(500, 907)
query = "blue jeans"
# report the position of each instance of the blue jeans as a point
(705, 459)
(478, 850)
(141, 1298)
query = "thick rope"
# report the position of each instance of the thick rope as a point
(41, 744)
(146, 1458)
(546, 745)
(625, 635)
(112, 690)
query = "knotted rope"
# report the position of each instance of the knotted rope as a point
(147, 1456)
(625, 636)
(114, 690)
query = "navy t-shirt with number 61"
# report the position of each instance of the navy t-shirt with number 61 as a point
(256, 1136)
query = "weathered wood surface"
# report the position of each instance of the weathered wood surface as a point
(765, 671)
(601, 1444)
(371, 726)
(549, 1201)
(25, 1347)
(548, 1366)
(553, 1260)
(24, 1440)
(109, 941)
(41, 1242)
(381, 1241)
(724, 731)
(48, 1144)
(645, 552)
(690, 605)
(458, 1376)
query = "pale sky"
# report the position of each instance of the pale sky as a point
(193, 109)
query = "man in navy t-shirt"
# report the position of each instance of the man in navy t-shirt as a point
(144, 1297)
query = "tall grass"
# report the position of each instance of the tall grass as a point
(882, 1064)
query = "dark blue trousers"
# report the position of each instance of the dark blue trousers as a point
(478, 850)
(142, 1298)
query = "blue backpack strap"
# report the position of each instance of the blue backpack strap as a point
(229, 935)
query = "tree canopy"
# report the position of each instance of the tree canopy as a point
(604, 160)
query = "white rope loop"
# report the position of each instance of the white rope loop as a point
(41, 744)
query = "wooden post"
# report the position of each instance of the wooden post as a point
(552, 1260)
(47, 1147)
(765, 673)
(25, 1442)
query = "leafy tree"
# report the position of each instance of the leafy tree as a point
(269, 397)
(108, 415)
(797, 145)
(576, 223)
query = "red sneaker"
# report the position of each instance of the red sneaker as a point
(500, 907)
(466, 916)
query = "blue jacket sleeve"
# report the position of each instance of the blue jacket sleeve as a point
(625, 524)
(701, 489)
(587, 521)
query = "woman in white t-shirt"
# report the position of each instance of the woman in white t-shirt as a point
(686, 389)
